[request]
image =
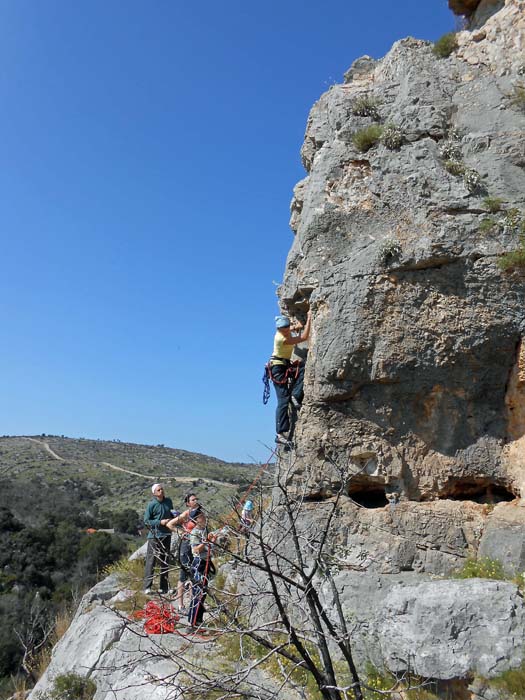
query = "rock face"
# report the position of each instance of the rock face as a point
(415, 379)
(101, 644)
(413, 366)
(125, 663)
(438, 629)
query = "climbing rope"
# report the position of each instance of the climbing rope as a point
(159, 618)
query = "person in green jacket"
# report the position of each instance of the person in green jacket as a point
(158, 514)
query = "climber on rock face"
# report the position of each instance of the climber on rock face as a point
(287, 377)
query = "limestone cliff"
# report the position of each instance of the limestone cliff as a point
(415, 367)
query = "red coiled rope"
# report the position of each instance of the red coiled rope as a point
(159, 618)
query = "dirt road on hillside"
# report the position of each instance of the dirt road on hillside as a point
(46, 447)
(182, 479)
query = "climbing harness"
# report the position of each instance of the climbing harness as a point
(291, 374)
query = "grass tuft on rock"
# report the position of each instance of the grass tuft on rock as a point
(517, 99)
(454, 167)
(488, 225)
(366, 106)
(512, 682)
(492, 204)
(445, 45)
(513, 260)
(366, 138)
(482, 568)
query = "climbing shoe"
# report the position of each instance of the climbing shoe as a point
(282, 440)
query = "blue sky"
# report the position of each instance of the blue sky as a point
(148, 155)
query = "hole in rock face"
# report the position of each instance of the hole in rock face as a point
(369, 497)
(477, 490)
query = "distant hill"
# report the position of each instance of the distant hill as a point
(54, 493)
(114, 474)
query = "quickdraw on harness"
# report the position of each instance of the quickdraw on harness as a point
(291, 373)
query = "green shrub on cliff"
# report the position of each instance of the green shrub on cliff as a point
(392, 137)
(513, 220)
(389, 250)
(71, 686)
(445, 45)
(365, 138)
(366, 106)
(493, 204)
(482, 568)
(517, 99)
(512, 260)
(450, 150)
(512, 682)
(472, 180)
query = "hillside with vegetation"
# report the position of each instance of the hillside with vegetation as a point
(52, 491)
(104, 471)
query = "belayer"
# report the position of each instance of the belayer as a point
(287, 376)
(201, 567)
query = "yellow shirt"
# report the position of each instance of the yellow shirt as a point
(280, 349)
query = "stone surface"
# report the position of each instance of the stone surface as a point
(451, 629)
(124, 662)
(411, 356)
(441, 629)
(503, 539)
(414, 388)
(103, 645)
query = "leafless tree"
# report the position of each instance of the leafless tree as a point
(34, 634)
(272, 628)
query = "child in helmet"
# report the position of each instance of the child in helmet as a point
(246, 523)
(247, 516)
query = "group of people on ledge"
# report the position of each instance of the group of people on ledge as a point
(194, 550)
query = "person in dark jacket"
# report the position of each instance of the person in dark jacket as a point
(183, 521)
(199, 572)
(158, 514)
